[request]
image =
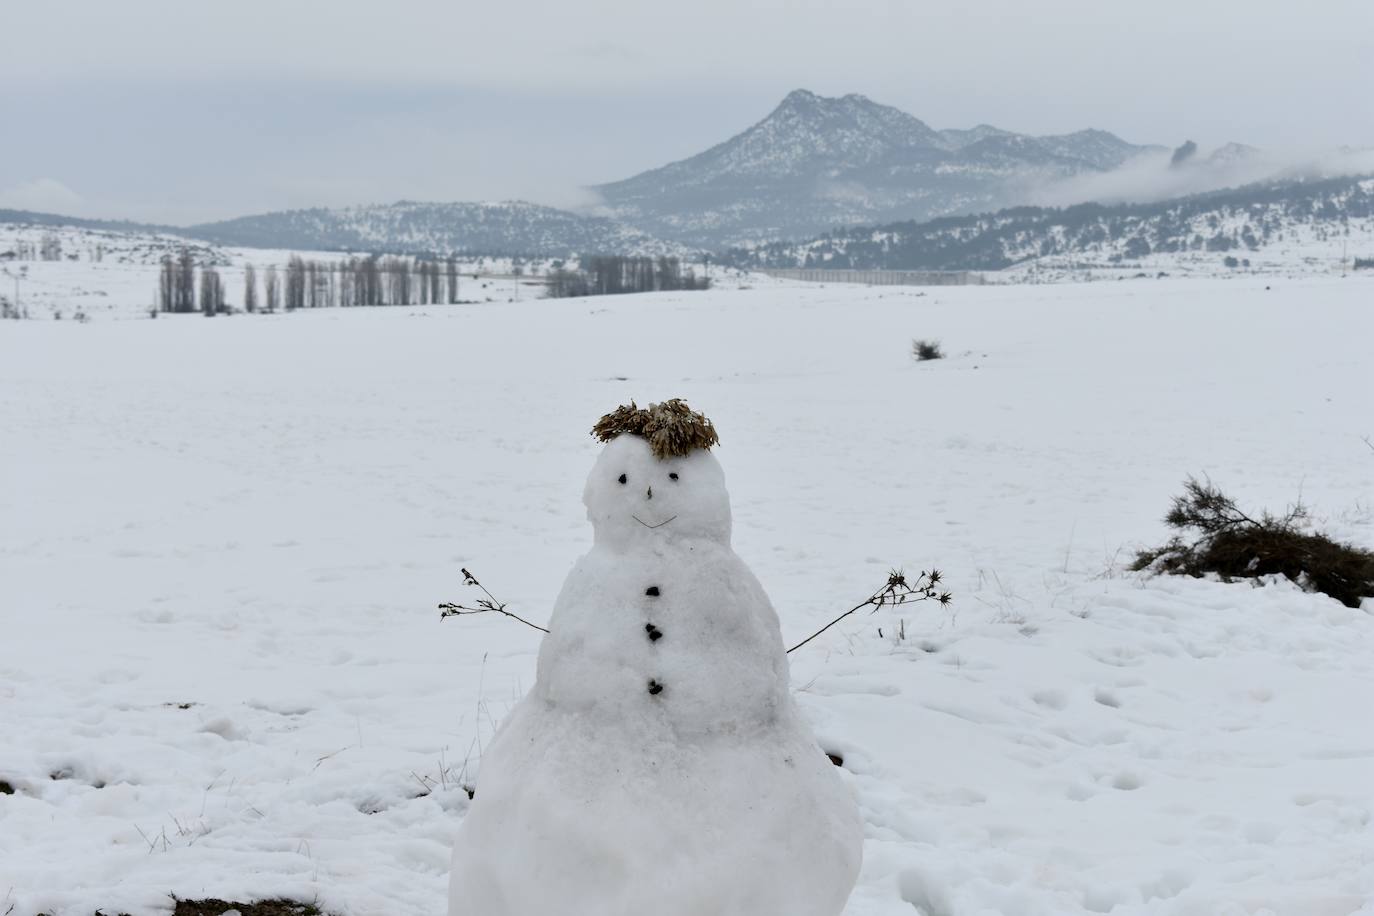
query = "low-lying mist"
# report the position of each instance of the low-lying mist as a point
(1152, 176)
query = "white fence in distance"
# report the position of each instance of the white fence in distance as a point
(882, 277)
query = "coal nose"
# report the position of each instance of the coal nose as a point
(650, 494)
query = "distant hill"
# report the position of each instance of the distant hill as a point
(817, 162)
(1237, 222)
(30, 218)
(510, 227)
(507, 228)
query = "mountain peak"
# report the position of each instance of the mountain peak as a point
(803, 103)
(839, 128)
(816, 161)
(799, 97)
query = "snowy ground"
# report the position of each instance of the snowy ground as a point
(222, 672)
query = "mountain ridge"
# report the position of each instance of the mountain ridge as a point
(417, 227)
(403, 227)
(1232, 222)
(817, 161)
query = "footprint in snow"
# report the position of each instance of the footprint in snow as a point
(1053, 699)
(1118, 657)
(1106, 698)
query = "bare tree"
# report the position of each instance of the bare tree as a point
(250, 289)
(371, 273)
(295, 283)
(50, 249)
(166, 285)
(346, 275)
(211, 292)
(271, 289)
(398, 279)
(185, 283)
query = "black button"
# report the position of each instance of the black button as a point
(655, 688)
(652, 591)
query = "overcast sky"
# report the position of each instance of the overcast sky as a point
(183, 111)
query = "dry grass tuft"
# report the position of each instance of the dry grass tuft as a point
(923, 350)
(672, 428)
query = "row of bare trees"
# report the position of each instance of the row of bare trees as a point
(604, 275)
(176, 286)
(369, 280)
(391, 280)
(49, 248)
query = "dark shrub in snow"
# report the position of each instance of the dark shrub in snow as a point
(923, 350)
(1233, 545)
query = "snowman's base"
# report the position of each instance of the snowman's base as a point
(751, 823)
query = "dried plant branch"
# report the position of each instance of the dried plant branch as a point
(320, 760)
(896, 592)
(487, 605)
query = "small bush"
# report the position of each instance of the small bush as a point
(215, 907)
(1233, 545)
(922, 350)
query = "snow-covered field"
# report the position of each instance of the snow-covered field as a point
(123, 282)
(105, 274)
(222, 672)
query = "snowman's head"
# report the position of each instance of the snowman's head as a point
(634, 498)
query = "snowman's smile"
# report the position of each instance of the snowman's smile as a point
(647, 525)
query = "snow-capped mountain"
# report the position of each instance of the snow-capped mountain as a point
(407, 227)
(817, 162)
(1223, 227)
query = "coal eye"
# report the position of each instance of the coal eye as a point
(673, 476)
(624, 479)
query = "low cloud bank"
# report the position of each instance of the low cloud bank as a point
(1151, 177)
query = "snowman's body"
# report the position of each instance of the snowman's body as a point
(659, 765)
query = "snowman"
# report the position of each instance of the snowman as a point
(659, 766)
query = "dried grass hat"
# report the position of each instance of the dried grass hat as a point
(672, 428)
